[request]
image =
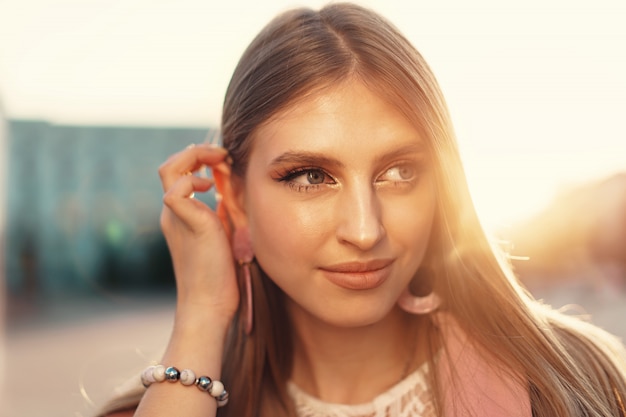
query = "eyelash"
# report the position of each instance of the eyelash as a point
(288, 177)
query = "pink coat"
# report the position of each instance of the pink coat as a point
(480, 389)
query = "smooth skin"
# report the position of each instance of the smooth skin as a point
(341, 178)
(339, 200)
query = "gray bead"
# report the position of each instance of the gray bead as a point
(223, 396)
(172, 374)
(204, 383)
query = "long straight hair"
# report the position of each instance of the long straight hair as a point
(572, 368)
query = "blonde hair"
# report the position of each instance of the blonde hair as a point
(571, 367)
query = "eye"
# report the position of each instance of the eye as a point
(306, 179)
(311, 176)
(399, 173)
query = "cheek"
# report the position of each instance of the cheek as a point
(284, 231)
(410, 220)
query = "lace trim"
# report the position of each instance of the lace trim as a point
(408, 398)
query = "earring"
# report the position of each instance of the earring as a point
(418, 305)
(242, 249)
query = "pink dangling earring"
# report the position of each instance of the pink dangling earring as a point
(418, 305)
(242, 249)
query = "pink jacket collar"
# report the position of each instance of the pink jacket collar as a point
(471, 383)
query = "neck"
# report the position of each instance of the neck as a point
(354, 365)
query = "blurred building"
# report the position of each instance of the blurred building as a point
(3, 184)
(83, 206)
(3, 169)
(580, 237)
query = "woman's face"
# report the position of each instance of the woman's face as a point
(339, 199)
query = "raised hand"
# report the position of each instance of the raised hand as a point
(208, 297)
(197, 236)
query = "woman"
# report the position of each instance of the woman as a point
(359, 280)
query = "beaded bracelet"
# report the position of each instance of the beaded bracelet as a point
(159, 373)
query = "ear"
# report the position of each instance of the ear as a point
(231, 189)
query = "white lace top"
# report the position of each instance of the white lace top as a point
(408, 398)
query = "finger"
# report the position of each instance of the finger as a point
(188, 184)
(189, 160)
(177, 198)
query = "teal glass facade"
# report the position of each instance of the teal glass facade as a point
(83, 205)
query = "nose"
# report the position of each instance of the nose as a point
(360, 214)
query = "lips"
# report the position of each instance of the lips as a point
(359, 275)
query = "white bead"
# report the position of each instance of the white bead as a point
(217, 389)
(147, 376)
(187, 377)
(159, 373)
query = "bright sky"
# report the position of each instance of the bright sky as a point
(537, 88)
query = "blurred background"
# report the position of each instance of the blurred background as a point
(95, 94)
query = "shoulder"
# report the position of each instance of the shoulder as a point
(471, 382)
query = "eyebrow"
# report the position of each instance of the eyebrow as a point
(409, 149)
(306, 158)
(317, 159)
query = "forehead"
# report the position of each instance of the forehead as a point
(346, 116)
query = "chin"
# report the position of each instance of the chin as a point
(344, 311)
(355, 317)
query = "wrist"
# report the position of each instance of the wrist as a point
(197, 342)
(191, 318)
